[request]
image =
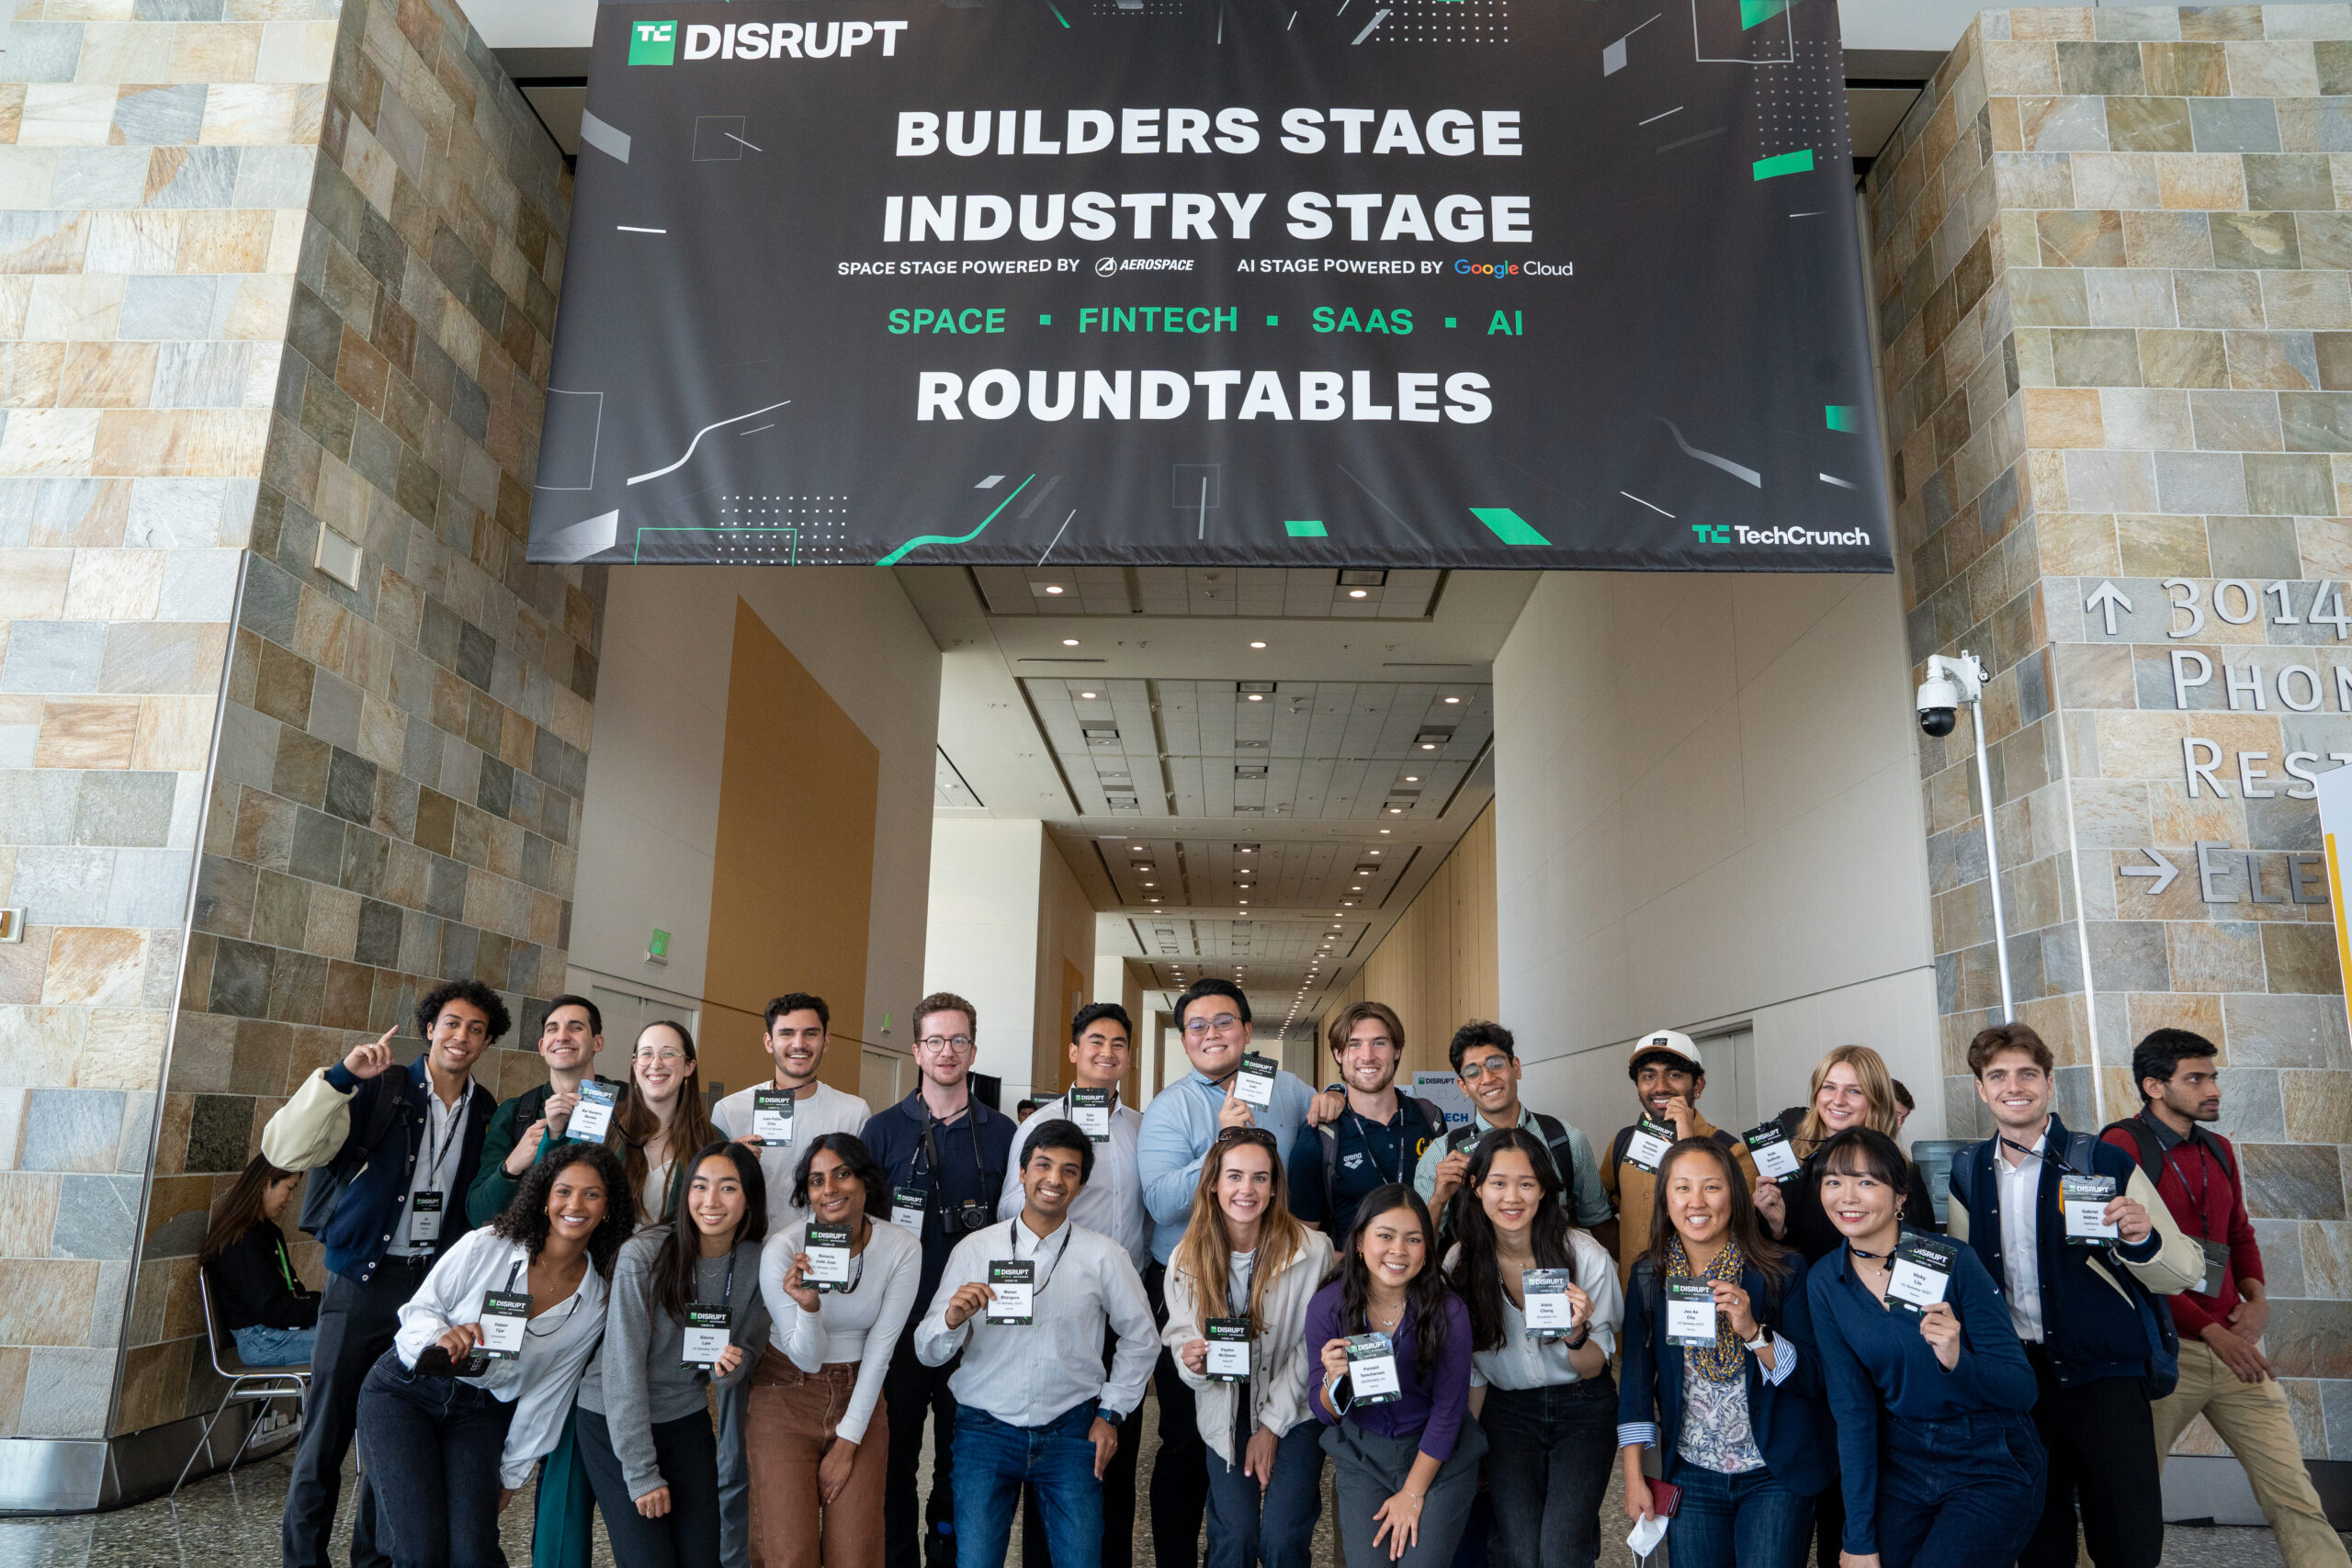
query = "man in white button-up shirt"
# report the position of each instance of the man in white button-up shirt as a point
(1027, 1410)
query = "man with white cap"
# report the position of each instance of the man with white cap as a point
(1667, 1076)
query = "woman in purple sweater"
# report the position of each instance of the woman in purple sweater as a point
(1404, 1450)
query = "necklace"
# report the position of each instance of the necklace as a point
(1373, 1316)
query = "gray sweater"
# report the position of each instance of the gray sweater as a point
(639, 1376)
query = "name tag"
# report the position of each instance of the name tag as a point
(1228, 1349)
(504, 1312)
(1922, 1273)
(1091, 1109)
(1689, 1314)
(2217, 1265)
(592, 1120)
(1372, 1370)
(1775, 1156)
(1254, 1085)
(1548, 1312)
(1645, 1150)
(906, 1209)
(1014, 1281)
(707, 1335)
(2084, 1199)
(772, 1115)
(828, 1251)
(424, 1216)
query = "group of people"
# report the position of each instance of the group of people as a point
(726, 1327)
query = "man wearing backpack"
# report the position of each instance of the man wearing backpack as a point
(1379, 1134)
(2223, 1309)
(1485, 1058)
(2038, 1202)
(1667, 1078)
(399, 1147)
(530, 1125)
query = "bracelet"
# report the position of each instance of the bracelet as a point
(1416, 1496)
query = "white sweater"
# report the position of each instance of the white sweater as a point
(860, 1326)
(1279, 1391)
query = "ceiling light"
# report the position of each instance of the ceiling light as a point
(1384, 829)
(1355, 593)
(1257, 645)
(1088, 696)
(1454, 699)
(1151, 884)
(1412, 778)
(1395, 811)
(1357, 887)
(1135, 846)
(1375, 851)
(1426, 744)
(1069, 642)
(1153, 899)
(1053, 588)
(1257, 696)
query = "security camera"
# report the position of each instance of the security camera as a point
(1950, 682)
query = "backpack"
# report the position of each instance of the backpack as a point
(1555, 1140)
(328, 1183)
(1433, 1121)
(2151, 1153)
(1625, 1138)
(2155, 1312)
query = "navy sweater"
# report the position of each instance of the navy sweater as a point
(372, 1207)
(894, 1136)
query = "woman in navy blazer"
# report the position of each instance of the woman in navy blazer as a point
(1939, 1462)
(1738, 1424)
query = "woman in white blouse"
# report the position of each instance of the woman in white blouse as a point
(662, 1118)
(1543, 1394)
(818, 1439)
(489, 1351)
(1245, 1258)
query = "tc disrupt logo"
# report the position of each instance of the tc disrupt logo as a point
(652, 43)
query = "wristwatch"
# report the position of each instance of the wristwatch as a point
(1763, 1342)
(1583, 1334)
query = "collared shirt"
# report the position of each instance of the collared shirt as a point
(1369, 1154)
(1179, 1128)
(2020, 1199)
(1520, 1362)
(1112, 1202)
(816, 1111)
(1591, 1205)
(1027, 1374)
(436, 1168)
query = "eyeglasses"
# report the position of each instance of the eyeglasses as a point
(651, 1056)
(1223, 1022)
(1257, 1135)
(1493, 1066)
(958, 1043)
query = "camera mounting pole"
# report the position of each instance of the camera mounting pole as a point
(1967, 675)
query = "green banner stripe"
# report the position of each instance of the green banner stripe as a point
(1508, 525)
(1795, 162)
(1306, 530)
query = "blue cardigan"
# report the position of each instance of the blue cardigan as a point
(1792, 1426)
(372, 1207)
(1877, 1363)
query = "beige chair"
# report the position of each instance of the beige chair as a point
(265, 1384)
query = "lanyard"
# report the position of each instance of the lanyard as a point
(284, 1268)
(2045, 1154)
(432, 1157)
(931, 1165)
(1364, 1135)
(1038, 1252)
(2204, 1187)
(572, 1303)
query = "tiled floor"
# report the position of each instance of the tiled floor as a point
(234, 1521)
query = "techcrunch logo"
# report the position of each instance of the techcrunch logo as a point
(1725, 533)
(656, 43)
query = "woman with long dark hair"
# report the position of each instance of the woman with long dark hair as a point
(644, 1417)
(1544, 1396)
(1244, 1256)
(662, 1118)
(816, 1433)
(1403, 1448)
(1941, 1465)
(1737, 1421)
(490, 1351)
(269, 1312)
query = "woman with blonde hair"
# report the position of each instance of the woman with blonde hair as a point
(1243, 1273)
(662, 1118)
(1851, 1088)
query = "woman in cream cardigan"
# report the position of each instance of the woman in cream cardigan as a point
(1238, 1289)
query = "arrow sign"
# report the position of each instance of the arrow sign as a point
(2164, 871)
(2104, 598)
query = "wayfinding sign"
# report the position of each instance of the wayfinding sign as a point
(1289, 282)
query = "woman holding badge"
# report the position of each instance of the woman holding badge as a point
(1393, 1390)
(1237, 1290)
(838, 1289)
(1543, 1308)
(1722, 1376)
(662, 1118)
(1927, 1381)
(685, 1315)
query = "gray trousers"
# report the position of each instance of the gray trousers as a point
(1367, 1470)
(734, 1479)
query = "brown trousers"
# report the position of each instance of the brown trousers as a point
(786, 1429)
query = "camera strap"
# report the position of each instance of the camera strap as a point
(937, 1169)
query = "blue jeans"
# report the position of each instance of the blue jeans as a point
(1958, 1494)
(994, 1458)
(1275, 1527)
(260, 1345)
(432, 1446)
(1747, 1520)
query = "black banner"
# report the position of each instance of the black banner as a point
(1478, 283)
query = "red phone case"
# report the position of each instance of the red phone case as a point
(1664, 1497)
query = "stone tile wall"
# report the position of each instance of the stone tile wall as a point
(2114, 294)
(321, 298)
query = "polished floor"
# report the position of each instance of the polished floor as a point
(233, 1519)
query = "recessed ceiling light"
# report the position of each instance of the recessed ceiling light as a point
(1384, 829)
(1454, 699)
(1087, 696)
(1135, 846)
(1151, 884)
(1069, 642)
(1375, 851)
(1257, 696)
(1257, 645)
(1053, 588)
(1355, 887)
(1355, 593)
(1426, 744)
(1412, 778)
(1395, 811)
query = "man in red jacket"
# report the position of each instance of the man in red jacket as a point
(2224, 1375)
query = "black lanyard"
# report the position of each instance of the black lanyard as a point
(572, 1303)
(2204, 1187)
(1038, 1256)
(1364, 1135)
(929, 1150)
(433, 1157)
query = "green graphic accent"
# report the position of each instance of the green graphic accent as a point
(652, 43)
(1449, 321)
(1713, 532)
(1752, 12)
(1508, 525)
(1306, 530)
(895, 557)
(1045, 320)
(1057, 10)
(1842, 416)
(1795, 162)
(1273, 320)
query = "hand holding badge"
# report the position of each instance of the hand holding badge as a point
(1775, 1156)
(827, 1247)
(1549, 1311)
(772, 1117)
(1372, 1370)
(1646, 1149)
(504, 1312)
(707, 1335)
(1920, 1274)
(1014, 1281)
(592, 1119)
(1254, 1084)
(1228, 1349)
(2083, 1201)
(1690, 1313)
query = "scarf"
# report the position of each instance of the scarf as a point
(1726, 1358)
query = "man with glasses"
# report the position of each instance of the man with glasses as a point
(527, 1126)
(1179, 1128)
(797, 1034)
(945, 1154)
(1485, 1058)
(1377, 1137)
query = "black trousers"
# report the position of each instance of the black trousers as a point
(1179, 1472)
(687, 1456)
(910, 1392)
(2102, 1443)
(357, 1324)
